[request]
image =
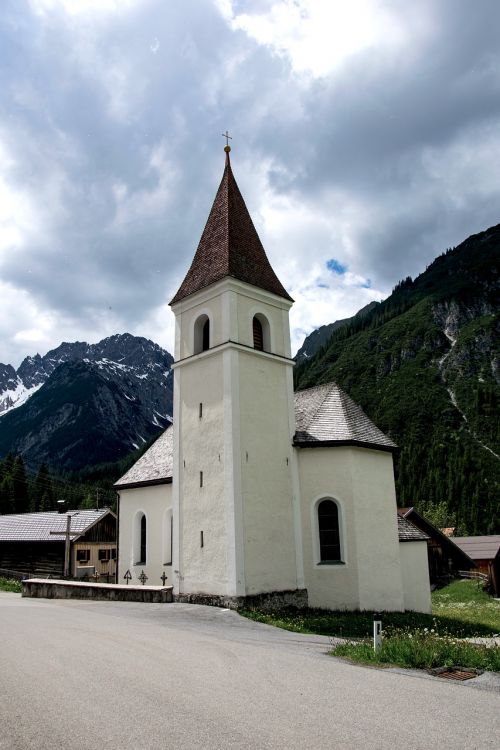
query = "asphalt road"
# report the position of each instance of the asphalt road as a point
(78, 674)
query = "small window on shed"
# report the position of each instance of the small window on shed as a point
(329, 532)
(82, 555)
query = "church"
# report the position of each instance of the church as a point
(257, 495)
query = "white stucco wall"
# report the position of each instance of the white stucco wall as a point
(415, 574)
(203, 569)
(326, 473)
(375, 511)
(155, 502)
(361, 482)
(266, 474)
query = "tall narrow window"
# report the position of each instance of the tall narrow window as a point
(329, 532)
(201, 479)
(258, 338)
(142, 561)
(167, 537)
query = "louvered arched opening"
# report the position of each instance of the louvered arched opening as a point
(258, 337)
(261, 333)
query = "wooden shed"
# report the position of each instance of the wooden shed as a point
(485, 551)
(44, 544)
(446, 558)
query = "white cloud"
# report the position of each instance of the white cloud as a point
(82, 7)
(317, 36)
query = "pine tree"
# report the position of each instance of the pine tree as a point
(42, 491)
(20, 486)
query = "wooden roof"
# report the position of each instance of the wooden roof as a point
(154, 466)
(229, 246)
(326, 415)
(37, 527)
(479, 547)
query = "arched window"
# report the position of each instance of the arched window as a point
(167, 537)
(201, 334)
(140, 539)
(329, 532)
(261, 333)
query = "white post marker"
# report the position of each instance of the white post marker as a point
(377, 631)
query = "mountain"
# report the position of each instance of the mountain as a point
(321, 335)
(424, 366)
(83, 404)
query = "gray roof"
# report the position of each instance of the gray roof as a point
(154, 466)
(325, 414)
(36, 527)
(408, 532)
(479, 547)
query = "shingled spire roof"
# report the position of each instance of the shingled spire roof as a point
(229, 246)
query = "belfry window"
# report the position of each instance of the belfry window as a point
(261, 333)
(201, 334)
(329, 532)
(258, 337)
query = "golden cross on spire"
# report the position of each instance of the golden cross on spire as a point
(227, 137)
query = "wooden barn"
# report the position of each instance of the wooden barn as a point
(446, 558)
(78, 543)
(485, 551)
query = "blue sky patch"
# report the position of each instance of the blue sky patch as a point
(334, 266)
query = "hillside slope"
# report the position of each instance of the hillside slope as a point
(424, 366)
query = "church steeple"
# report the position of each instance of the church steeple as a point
(229, 245)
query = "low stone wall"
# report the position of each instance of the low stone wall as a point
(269, 600)
(44, 588)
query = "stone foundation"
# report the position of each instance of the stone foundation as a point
(270, 600)
(44, 588)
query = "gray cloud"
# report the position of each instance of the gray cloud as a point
(110, 130)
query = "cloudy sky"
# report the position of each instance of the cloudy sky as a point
(366, 140)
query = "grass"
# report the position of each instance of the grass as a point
(460, 609)
(466, 602)
(422, 649)
(411, 639)
(9, 584)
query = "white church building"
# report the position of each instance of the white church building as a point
(257, 495)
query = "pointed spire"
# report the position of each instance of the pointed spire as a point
(229, 245)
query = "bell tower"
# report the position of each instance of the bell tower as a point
(235, 481)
